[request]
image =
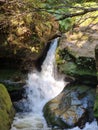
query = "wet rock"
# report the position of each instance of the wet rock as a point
(14, 80)
(72, 107)
(15, 89)
(96, 100)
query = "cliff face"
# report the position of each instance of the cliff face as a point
(24, 30)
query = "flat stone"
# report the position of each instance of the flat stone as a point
(81, 42)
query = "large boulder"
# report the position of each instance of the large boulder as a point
(76, 56)
(72, 107)
(6, 109)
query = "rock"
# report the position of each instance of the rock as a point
(96, 55)
(82, 69)
(76, 56)
(15, 89)
(81, 43)
(72, 107)
(14, 81)
(6, 109)
(96, 100)
(96, 104)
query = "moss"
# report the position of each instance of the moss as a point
(6, 109)
(82, 68)
(71, 68)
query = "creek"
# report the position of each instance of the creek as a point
(39, 89)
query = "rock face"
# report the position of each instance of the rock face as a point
(6, 109)
(96, 100)
(81, 41)
(82, 68)
(76, 54)
(24, 32)
(71, 107)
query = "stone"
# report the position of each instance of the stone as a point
(96, 100)
(76, 54)
(72, 107)
(96, 56)
(82, 69)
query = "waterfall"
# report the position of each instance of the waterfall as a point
(40, 88)
(49, 63)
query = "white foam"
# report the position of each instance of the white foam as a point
(88, 126)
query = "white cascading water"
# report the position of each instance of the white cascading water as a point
(41, 87)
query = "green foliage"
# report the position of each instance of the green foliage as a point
(86, 63)
(65, 24)
(60, 8)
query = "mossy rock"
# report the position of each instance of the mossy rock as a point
(6, 109)
(82, 68)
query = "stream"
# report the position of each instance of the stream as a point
(39, 89)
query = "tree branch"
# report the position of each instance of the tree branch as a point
(85, 11)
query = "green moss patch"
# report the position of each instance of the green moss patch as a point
(6, 109)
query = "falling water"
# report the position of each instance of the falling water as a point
(41, 87)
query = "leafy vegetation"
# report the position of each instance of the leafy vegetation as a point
(65, 10)
(25, 30)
